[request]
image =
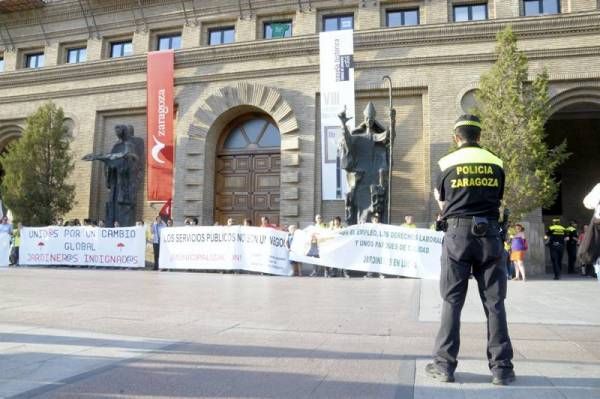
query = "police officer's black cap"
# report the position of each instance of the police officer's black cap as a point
(468, 120)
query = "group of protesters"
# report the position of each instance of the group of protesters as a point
(334, 224)
(557, 238)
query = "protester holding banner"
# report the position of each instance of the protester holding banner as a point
(375, 220)
(14, 252)
(469, 192)
(156, 228)
(336, 225)
(5, 238)
(5, 226)
(408, 222)
(296, 266)
(314, 247)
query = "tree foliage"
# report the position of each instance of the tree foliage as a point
(37, 166)
(514, 111)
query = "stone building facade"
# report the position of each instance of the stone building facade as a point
(435, 66)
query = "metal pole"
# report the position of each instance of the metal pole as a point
(85, 18)
(387, 79)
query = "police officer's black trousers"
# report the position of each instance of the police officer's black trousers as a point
(556, 255)
(462, 253)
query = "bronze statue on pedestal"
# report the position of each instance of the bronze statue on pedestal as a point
(365, 156)
(122, 167)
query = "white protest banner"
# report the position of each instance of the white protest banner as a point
(4, 249)
(370, 247)
(337, 94)
(254, 249)
(83, 246)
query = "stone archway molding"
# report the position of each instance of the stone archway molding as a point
(584, 94)
(264, 98)
(9, 133)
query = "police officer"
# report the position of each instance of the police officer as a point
(469, 191)
(571, 238)
(555, 238)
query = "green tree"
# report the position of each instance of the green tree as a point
(513, 112)
(37, 166)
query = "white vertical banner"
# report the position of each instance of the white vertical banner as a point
(337, 94)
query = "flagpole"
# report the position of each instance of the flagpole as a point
(392, 114)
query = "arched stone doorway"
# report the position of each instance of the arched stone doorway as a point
(8, 135)
(577, 122)
(248, 168)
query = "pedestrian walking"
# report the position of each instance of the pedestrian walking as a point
(518, 249)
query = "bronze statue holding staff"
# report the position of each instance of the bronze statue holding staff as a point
(122, 169)
(365, 158)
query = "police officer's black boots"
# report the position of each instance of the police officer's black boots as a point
(503, 377)
(436, 373)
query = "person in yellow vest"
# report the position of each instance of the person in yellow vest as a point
(408, 222)
(469, 192)
(555, 239)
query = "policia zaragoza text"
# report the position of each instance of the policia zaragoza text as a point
(469, 192)
(465, 177)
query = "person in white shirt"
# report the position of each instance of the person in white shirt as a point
(591, 242)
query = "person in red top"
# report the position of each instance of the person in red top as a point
(264, 222)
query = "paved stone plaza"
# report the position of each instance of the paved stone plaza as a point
(82, 333)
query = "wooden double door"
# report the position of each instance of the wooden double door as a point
(248, 170)
(248, 187)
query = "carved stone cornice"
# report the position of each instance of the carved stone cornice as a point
(477, 58)
(183, 58)
(524, 27)
(415, 88)
(57, 12)
(308, 46)
(49, 95)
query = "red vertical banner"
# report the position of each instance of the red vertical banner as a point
(160, 109)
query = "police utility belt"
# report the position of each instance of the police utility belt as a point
(479, 224)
